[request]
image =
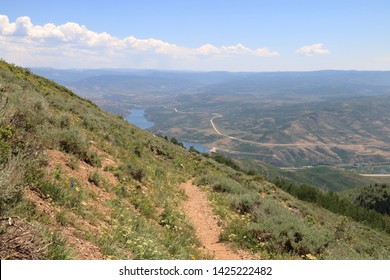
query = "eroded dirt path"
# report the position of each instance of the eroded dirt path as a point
(200, 214)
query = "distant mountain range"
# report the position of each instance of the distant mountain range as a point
(322, 83)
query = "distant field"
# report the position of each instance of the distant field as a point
(375, 175)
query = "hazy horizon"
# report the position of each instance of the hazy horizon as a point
(199, 71)
(233, 36)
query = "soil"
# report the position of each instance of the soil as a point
(15, 240)
(18, 240)
(198, 210)
(83, 249)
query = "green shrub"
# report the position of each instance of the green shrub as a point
(95, 178)
(73, 141)
(62, 218)
(109, 168)
(49, 135)
(6, 133)
(91, 122)
(73, 162)
(5, 150)
(138, 174)
(278, 231)
(137, 151)
(169, 219)
(121, 191)
(288, 232)
(143, 203)
(176, 142)
(245, 203)
(56, 172)
(204, 180)
(11, 179)
(93, 159)
(64, 121)
(193, 150)
(126, 171)
(226, 161)
(57, 249)
(255, 185)
(223, 184)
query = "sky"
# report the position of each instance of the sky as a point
(227, 35)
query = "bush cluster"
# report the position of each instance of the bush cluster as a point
(333, 202)
(375, 197)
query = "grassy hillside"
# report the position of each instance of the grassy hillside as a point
(326, 178)
(79, 183)
(79, 175)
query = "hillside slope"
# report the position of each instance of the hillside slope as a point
(79, 183)
(324, 177)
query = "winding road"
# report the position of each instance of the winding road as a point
(354, 146)
(285, 145)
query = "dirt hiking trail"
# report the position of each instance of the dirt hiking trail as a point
(198, 210)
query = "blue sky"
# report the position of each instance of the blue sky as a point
(242, 35)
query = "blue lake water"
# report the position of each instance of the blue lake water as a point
(137, 117)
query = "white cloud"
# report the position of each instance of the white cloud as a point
(207, 49)
(266, 52)
(311, 50)
(25, 43)
(5, 26)
(153, 45)
(237, 49)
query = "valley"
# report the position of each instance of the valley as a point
(288, 119)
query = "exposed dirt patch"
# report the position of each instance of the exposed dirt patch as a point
(18, 240)
(43, 206)
(200, 214)
(83, 248)
(46, 208)
(82, 173)
(107, 159)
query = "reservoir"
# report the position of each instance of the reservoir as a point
(137, 117)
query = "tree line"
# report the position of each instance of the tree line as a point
(333, 202)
